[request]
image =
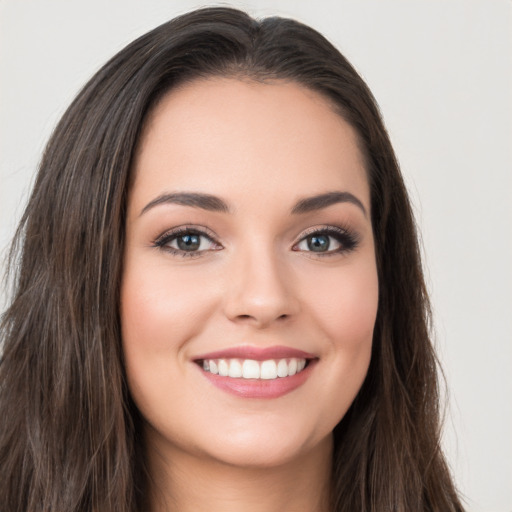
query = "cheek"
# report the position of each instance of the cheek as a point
(345, 305)
(160, 309)
(342, 307)
(345, 313)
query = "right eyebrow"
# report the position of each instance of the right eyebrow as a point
(194, 199)
(309, 204)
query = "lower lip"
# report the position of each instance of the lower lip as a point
(260, 388)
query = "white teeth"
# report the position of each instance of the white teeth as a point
(292, 367)
(223, 368)
(282, 368)
(269, 370)
(251, 369)
(235, 369)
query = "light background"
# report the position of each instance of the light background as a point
(442, 74)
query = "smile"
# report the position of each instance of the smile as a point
(269, 369)
(256, 372)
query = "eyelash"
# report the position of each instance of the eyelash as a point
(345, 237)
(163, 241)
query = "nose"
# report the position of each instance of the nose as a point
(260, 290)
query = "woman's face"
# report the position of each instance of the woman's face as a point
(249, 255)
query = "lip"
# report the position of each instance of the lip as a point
(257, 353)
(258, 388)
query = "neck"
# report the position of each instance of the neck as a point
(186, 483)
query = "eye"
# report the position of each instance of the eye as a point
(186, 242)
(327, 241)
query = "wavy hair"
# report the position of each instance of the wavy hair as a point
(70, 436)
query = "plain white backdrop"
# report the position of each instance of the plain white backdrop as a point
(442, 74)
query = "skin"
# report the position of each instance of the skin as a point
(254, 282)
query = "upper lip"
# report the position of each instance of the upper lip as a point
(257, 353)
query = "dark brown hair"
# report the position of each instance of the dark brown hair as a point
(69, 431)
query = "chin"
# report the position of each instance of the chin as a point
(267, 449)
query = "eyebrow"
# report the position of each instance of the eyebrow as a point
(194, 199)
(320, 201)
(216, 204)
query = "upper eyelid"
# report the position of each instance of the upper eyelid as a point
(210, 234)
(329, 229)
(187, 228)
(317, 229)
(163, 242)
(350, 235)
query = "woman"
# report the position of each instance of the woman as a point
(219, 301)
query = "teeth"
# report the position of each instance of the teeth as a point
(282, 368)
(250, 369)
(269, 370)
(223, 368)
(235, 369)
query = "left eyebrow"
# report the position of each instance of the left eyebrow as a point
(309, 204)
(193, 199)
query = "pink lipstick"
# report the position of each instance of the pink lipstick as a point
(253, 372)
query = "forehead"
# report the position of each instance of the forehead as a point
(223, 135)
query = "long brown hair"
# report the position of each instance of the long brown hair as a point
(69, 431)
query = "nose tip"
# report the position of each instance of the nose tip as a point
(260, 295)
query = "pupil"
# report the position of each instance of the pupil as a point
(188, 242)
(318, 243)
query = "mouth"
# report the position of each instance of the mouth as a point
(250, 372)
(268, 369)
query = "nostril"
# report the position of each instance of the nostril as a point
(248, 317)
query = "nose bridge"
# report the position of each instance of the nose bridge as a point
(260, 286)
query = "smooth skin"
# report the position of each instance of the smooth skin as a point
(245, 269)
